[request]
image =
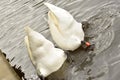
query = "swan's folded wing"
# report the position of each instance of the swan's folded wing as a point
(28, 47)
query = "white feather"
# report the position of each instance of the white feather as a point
(65, 30)
(45, 57)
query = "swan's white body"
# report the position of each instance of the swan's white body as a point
(65, 30)
(45, 57)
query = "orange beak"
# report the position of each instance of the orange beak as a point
(87, 44)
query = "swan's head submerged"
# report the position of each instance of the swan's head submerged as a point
(45, 57)
(58, 16)
(63, 26)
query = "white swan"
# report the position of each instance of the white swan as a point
(45, 57)
(65, 30)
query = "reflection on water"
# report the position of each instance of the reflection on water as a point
(103, 30)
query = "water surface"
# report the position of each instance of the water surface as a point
(104, 28)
